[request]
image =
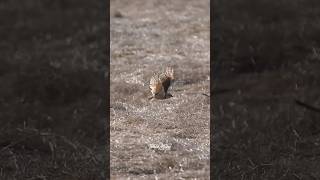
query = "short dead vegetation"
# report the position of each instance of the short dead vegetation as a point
(164, 139)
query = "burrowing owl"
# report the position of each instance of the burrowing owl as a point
(160, 83)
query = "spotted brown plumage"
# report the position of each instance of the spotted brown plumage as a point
(160, 83)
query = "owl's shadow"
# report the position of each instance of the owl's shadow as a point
(168, 95)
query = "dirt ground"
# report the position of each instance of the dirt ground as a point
(162, 139)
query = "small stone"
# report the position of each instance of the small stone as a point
(118, 14)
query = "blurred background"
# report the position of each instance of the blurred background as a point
(52, 74)
(266, 89)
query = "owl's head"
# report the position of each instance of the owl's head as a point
(156, 88)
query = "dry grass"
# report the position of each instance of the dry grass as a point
(51, 74)
(164, 139)
(269, 58)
